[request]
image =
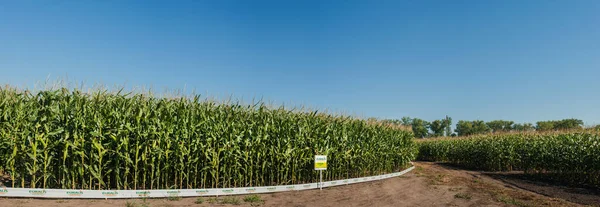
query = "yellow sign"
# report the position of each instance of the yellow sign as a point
(320, 162)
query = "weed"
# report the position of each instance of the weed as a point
(511, 201)
(231, 200)
(199, 200)
(130, 204)
(454, 189)
(442, 178)
(252, 199)
(173, 198)
(465, 196)
(212, 200)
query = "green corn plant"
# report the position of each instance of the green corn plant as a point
(99, 139)
(570, 157)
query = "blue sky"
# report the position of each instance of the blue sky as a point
(515, 60)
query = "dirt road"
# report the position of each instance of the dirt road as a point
(428, 185)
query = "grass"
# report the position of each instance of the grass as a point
(212, 200)
(130, 204)
(173, 198)
(231, 200)
(199, 200)
(253, 199)
(437, 179)
(511, 201)
(465, 196)
(134, 204)
(224, 200)
(442, 178)
(454, 189)
(419, 171)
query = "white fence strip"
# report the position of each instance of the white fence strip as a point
(65, 193)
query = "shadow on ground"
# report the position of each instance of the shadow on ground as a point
(546, 185)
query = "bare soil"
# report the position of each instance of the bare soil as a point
(429, 184)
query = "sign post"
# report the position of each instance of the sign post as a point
(320, 165)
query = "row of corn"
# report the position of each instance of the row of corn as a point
(570, 157)
(111, 140)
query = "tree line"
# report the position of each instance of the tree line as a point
(442, 127)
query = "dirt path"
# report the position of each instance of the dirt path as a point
(428, 185)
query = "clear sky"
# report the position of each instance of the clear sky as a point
(515, 60)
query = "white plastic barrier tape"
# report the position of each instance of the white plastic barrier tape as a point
(65, 193)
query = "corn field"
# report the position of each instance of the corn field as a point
(69, 139)
(571, 157)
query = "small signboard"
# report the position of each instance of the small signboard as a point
(320, 162)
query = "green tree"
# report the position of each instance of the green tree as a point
(544, 125)
(406, 121)
(419, 127)
(441, 127)
(564, 124)
(500, 125)
(479, 127)
(465, 128)
(528, 127)
(392, 121)
(523, 127)
(568, 124)
(437, 128)
(448, 125)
